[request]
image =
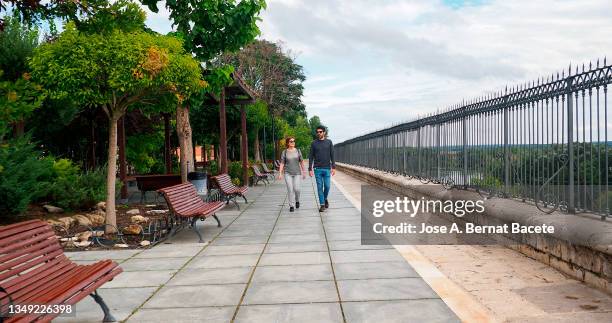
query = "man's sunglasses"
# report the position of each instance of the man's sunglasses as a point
(319, 131)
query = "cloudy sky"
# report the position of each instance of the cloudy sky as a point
(374, 63)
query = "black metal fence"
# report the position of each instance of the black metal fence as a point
(545, 142)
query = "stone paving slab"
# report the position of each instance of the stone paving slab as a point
(294, 258)
(185, 315)
(293, 273)
(142, 264)
(199, 276)
(422, 311)
(291, 292)
(295, 313)
(195, 296)
(384, 289)
(148, 278)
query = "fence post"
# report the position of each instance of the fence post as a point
(438, 151)
(570, 147)
(464, 150)
(506, 149)
(419, 150)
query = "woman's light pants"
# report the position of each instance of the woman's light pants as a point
(293, 188)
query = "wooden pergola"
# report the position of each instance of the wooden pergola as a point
(240, 94)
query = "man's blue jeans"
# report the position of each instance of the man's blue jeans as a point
(323, 178)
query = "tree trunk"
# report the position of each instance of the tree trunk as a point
(183, 130)
(167, 144)
(256, 146)
(111, 176)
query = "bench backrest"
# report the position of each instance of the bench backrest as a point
(182, 198)
(224, 182)
(26, 246)
(257, 171)
(265, 167)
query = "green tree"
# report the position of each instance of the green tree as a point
(208, 29)
(18, 95)
(115, 71)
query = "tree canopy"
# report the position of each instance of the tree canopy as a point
(210, 28)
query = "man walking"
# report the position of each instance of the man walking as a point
(322, 158)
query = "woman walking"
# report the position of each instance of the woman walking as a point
(293, 167)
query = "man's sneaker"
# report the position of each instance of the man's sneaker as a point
(297, 205)
(322, 208)
(291, 209)
(326, 204)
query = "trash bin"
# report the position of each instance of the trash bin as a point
(198, 179)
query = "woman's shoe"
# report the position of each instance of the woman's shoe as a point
(322, 208)
(326, 204)
(297, 205)
(291, 209)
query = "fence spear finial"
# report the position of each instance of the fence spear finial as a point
(604, 61)
(598, 63)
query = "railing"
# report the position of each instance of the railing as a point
(545, 142)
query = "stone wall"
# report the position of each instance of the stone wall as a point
(580, 248)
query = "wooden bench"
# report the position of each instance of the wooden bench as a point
(267, 171)
(259, 176)
(229, 191)
(34, 270)
(187, 207)
(153, 183)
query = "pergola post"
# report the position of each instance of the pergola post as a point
(122, 159)
(167, 155)
(222, 134)
(244, 148)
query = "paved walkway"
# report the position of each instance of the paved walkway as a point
(268, 265)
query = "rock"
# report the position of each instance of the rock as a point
(98, 233)
(84, 236)
(53, 209)
(139, 219)
(121, 245)
(133, 212)
(53, 222)
(82, 220)
(132, 229)
(82, 244)
(96, 219)
(69, 239)
(157, 211)
(145, 243)
(101, 206)
(151, 205)
(66, 221)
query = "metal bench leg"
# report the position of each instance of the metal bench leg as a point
(245, 199)
(108, 317)
(233, 199)
(195, 229)
(217, 219)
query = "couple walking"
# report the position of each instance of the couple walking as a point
(292, 166)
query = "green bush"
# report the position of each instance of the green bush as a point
(213, 168)
(235, 172)
(23, 174)
(26, 177)
(78, 190)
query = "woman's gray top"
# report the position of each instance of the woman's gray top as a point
(292, 159)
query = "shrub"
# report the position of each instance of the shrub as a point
(23, 172)
(213, 168)
(235, 170)
(78, 190)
